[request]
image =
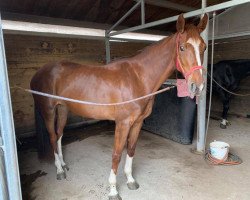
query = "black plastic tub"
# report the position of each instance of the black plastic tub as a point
(172, 117)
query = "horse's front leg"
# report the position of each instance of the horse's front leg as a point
(132, 140)
(121, 134)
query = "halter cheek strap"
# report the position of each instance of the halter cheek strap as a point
(178, 65)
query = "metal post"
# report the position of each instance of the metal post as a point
(142, 11)
(201, 111)
(107, 47)
(124, 16)
(3, 181)
(7, 129)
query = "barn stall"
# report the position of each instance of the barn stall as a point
(91, 146)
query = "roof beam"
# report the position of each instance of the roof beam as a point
(39, 29)
(168, 4)
(67, 22)
(208, 9)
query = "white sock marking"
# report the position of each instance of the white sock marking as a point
(224, 122)
(58, 165)
(59, 148)
(112, 182)
(196, 45)
(128, 169)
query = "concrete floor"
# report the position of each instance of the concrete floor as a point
(164, 169)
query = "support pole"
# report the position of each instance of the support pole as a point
(7, 131)
(124, 16)
(3, 181)
(107, 47)
(142, 11)
(201, 110)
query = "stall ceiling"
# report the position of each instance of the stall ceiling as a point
(102, 11)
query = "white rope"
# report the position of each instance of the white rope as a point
(233, 93)
(93, 103)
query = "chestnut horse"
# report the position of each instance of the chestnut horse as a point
(118, 81)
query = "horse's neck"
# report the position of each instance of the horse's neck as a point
(157, 63)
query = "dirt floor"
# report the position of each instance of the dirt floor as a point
(164, 169)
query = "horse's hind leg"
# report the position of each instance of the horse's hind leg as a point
(49, 118)
(132, 140)
(121, 134)
(61, 120)
(225, 102)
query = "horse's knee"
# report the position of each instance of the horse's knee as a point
(116, 157)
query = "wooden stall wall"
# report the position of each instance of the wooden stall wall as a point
(233, 49)
(26, 54)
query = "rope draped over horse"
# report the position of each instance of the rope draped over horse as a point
(118, 81)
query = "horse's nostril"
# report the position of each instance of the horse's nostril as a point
(197, 90)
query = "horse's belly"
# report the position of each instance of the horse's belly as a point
(95, 112)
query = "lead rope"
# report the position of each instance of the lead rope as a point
(230, 92)
(230, 160)
(92, 103)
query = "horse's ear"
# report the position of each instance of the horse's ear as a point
(203, 23)
(180, 25)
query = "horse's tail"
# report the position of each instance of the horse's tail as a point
(42, 135)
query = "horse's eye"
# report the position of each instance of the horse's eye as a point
(182, 48)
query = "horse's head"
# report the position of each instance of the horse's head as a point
(190, 50)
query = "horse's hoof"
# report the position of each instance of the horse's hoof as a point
(133, 185)
(65, 168)
(116, 197)
(223, 126)
(61, 176)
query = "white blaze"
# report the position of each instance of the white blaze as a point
(128, 169)
(224, 122)
(112, 182)
(196, 44)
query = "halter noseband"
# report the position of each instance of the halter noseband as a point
(178, 65)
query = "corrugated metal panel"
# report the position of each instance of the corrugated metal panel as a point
(232, 23)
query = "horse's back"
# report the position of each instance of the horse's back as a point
(46, 78)
(49, 72)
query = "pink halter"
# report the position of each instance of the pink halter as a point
(178, 65)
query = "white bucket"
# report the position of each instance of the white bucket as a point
(219, 150)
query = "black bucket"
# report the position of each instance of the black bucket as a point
(172, 117)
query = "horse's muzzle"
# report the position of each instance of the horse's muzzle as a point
(195, 90)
